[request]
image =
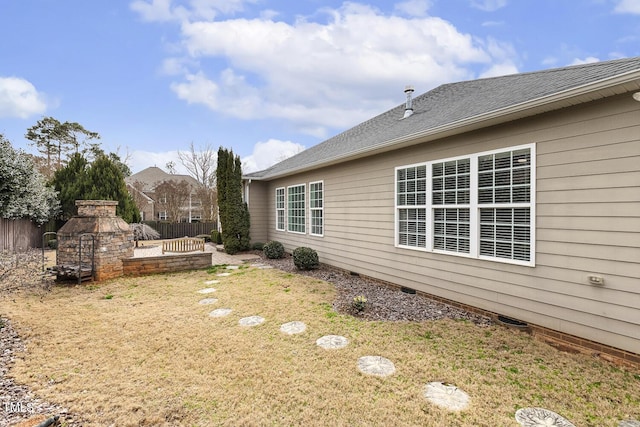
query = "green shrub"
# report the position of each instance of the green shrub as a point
(305, 258)
(206, 237)
(257, 246)
(273, 250)
(216, 237)
(53, 244)
(233, 245)
(359, 303)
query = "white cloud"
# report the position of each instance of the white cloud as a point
(628, 6)
(324, 75)
(177, 66)
(488, 5)
(182, 10)
(587, 60)
(139, 160)
(198, 89)
(19, 98)
(155, 11)
(414, 7)
(501, 69)
(266, 154)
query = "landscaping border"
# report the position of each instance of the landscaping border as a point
(165, 264)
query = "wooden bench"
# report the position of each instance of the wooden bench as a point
(185, 244)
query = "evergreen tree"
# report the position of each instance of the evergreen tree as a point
(234, 213)
(221, 180)
(53, 139)
(71, 182)
(101, 180)
(105, 181)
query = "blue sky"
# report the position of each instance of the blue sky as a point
(268, 78)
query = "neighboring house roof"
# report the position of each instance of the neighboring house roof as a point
(152, 176)
(455, 108)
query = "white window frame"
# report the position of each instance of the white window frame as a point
(315, 209)
(418, 207)
(449, 206)
(281, 209)
(290, 209)
(474, 207)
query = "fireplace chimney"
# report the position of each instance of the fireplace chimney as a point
(108, 238)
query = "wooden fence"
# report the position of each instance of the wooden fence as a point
(22, 234)
(17, 235)
(171, 230)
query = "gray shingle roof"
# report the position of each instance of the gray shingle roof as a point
(153, 175)
(451, 106)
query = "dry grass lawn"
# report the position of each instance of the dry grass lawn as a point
(142, 351)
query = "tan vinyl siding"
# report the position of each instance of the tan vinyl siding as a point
(587, 222)
(258, 211)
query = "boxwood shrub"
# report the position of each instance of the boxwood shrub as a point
(273, 250)
(305, 258)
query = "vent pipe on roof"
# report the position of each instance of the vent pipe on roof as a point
(408, 109)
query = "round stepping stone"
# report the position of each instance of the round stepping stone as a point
(265, 267)
(292, 328)
(211, 282)
(332, 341)
(232, 267)
(540, 417)
(206, 291)
(376, 365)
(220, 312)
(251, 321)
(223, 274)
(629, 423)
(447, 396)
(207, 301)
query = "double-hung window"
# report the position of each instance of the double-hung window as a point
(316, 208)
(296, 208)
(480, 205)
(504, 200)
(411, 200)
(280, 221)
(450, 192)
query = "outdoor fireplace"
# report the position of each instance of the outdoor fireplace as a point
(97, 235)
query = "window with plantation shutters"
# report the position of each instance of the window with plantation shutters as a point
(480, 205)
(450, 191)
(411, 200)
(504, 199)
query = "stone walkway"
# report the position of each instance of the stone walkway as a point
(440, 394)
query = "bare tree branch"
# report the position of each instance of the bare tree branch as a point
(201, 165)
